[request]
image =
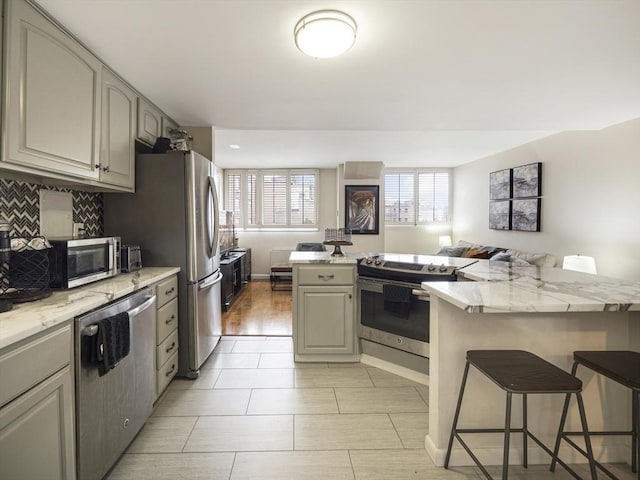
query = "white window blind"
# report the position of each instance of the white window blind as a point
(416, 197)
(303, 199)
(273, 198)
(433, 197)
(252, 192)
(233, 195)
(399, 198)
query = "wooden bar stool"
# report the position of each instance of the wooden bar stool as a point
(622, 367)
(518, 371)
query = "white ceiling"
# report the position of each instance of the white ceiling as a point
(430, 83)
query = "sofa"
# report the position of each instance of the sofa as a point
(498, 254)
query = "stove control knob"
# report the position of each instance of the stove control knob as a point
(369, 260)
(431, 267)
(378, 261)
(443, 268)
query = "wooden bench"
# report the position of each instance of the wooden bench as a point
(281, 273)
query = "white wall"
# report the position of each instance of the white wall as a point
(263, 242)
(591, 195)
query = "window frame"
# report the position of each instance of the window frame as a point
(415, 172)
(243, 222)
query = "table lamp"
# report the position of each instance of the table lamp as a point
(579, 263)
(444, 241)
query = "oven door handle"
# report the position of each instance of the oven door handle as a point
(421, 294)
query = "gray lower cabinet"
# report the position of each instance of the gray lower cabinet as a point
(324, 313)
(166, 333)
(36, 417)
(52, 98)
(117, 148)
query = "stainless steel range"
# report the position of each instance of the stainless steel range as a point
(394, 309)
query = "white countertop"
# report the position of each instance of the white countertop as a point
(500, 287)
(325, 258)
(27, 319)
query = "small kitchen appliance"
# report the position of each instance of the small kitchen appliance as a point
(130, 258)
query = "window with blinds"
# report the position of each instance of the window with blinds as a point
(272, 199)
(416, 197)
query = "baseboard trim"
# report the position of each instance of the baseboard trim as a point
(395, 369)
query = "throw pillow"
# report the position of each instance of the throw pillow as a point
(452, 251)
(476, 253)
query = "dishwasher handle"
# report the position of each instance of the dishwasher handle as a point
(148, 301)
(92, 330)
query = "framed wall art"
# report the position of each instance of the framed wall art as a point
(526, 181)
(362, 209)
(500, 185)
(525, 215)
(500, 215)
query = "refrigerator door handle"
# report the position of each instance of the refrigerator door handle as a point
(214, 196)
(210, 283)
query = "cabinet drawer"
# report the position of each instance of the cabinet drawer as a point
(166, 290)
(329, 275)
(167, 348)
(167, 320)
(29, 364)
(167, 372)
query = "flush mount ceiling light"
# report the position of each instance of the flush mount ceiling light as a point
(325, 33)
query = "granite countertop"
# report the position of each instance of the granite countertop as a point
(500, 287)
(27, 319)
(325, 258)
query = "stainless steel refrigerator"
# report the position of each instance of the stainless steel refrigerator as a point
(173, 216)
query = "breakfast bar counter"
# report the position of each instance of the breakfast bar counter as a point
(548, 311)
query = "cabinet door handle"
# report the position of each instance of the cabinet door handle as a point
(97, 165)
(170, 319)
(170, 291)
(173, 345)
(325, 277)
(350, 296)
(105, 169)
(173, 368)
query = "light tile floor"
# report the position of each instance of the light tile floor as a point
(255, 414)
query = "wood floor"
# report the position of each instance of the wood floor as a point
(259, 311)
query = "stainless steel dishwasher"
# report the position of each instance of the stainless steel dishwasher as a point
(111, 409)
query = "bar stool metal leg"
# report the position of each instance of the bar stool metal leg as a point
(456, 415)
(563, 419)
(507, 434)
(635, 445)
(587, 439)
(525, 432)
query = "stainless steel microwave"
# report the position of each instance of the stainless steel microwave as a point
(78, 261)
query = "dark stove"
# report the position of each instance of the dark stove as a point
(394, 310)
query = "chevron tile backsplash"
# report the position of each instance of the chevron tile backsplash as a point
(20, 205)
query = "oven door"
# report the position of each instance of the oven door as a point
(405, 328)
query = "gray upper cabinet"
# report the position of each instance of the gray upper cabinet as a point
(149, 122)
(51, 113)
(117, 150)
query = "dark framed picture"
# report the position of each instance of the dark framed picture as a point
(500, 185)
(362, 209)
(500, 215)
(525, 215)
(526, 180)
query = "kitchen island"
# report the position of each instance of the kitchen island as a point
(548, 311)
(324, 307)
